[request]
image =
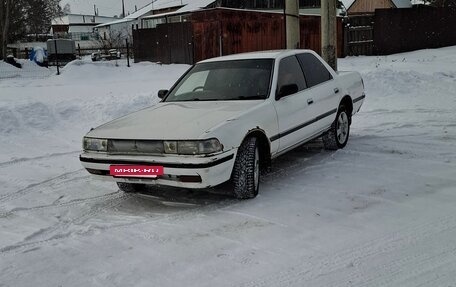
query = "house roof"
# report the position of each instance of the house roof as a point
(192, 5)
(131, 17)
(402, 3)
(397, 3)
(188, 6)
(80, 19)
(348, 3)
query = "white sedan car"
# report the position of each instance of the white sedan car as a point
(224, 120)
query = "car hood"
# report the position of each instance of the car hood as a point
(174, 120)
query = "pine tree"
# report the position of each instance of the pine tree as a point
(19, 17)
(40, 14)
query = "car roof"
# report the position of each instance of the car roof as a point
(272, 54)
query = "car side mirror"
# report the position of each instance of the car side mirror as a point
(162, 93)
(287, 90)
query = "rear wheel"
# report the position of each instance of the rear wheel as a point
(337, 136)
(246, 172)
(130, 187)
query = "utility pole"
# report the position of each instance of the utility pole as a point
(328, 32)
(123, 9)
(292, 23)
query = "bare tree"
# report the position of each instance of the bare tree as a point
(5, 10)
(114, 38)
(66, 9)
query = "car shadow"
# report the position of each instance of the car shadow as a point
(221, 195)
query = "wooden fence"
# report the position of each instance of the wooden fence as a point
(168, 43)
(359, 35)
(402, 30)
(215, 32)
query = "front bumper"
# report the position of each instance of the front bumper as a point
(179, 171)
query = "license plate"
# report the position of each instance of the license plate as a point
(135, 171)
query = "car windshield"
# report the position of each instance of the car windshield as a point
(225, 81)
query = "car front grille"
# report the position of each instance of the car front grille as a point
(135, 147)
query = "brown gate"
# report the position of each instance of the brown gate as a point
(167, 43)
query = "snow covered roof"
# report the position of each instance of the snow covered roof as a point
(348, 3)
(75, 19)
(402, 3)
(397, 3)
(188, 6)
(123, 20)
(191, 6)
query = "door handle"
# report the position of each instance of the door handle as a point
(310, 101)
(336, 90)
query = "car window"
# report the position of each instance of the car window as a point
(194, 81)
(225, 81)
(314, 71)
(290, 73)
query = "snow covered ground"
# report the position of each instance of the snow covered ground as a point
(378, 213)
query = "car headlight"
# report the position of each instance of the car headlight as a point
(193, 147)
(93, 144)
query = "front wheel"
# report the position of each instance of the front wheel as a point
(246, 172)
(337, 136)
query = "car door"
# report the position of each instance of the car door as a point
(323, 90)
(293, 113)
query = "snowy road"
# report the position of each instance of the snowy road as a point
(381, 212)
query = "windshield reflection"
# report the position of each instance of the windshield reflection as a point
(225, 81)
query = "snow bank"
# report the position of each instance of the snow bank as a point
(59, 110)
(29, 70)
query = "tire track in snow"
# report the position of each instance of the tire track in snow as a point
(27, 159)
(62, 204)
(316, 271)
(47, 182)
(60, 230)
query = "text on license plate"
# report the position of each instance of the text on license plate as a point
(135, 170)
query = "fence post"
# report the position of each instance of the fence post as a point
(128, 53)
(345, 29)
(56, 57)
(79, 50)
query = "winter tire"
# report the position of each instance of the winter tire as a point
(246, 171)
(337, 136)
(130, 187)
